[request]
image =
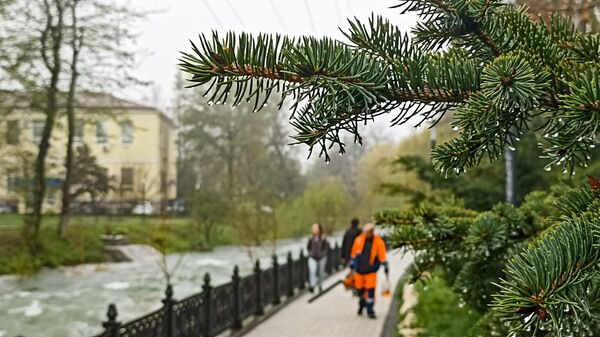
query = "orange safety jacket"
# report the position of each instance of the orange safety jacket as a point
(377, 257)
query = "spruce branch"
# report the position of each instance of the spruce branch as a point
(497, 69)
(551, 279)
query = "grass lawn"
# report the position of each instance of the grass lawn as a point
(84, 245)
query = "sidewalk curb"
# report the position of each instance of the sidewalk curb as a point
(391, 319)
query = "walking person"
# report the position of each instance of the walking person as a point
(349, 237)
(317, 258)
(368, 255)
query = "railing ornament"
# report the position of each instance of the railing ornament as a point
(111, 326)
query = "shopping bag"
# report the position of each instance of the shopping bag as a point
(386, 288)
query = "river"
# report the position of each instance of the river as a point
(72, 301)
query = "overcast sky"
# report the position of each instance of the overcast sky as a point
(168, 32)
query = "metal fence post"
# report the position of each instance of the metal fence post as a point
(276, 295)
(290, 275)
(111, 326)
(235, 284)
(303, 275)
(168, 307)
(207, 292)
(258, 282)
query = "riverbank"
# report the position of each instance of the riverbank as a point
(78, 296)
(84, 243)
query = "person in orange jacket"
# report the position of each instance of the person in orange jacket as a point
(368, 255)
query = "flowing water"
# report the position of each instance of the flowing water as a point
(72, 301)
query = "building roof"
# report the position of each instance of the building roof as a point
(94, 100)
(83, 100)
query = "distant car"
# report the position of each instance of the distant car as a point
(177, 207)
(8, 206)
(5, 209)
(144, 208)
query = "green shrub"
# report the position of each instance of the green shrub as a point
(440, 312)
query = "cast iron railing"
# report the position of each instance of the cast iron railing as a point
(224, 307)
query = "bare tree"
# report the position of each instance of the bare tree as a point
(51, 40)
(46, 55)
(106, 66)
(77, 34)
(160, 242)
(146, 186)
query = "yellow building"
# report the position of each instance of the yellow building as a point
(134, 143)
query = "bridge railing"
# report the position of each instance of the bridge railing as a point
(224, 307)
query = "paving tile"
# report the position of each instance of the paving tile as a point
(333, 314)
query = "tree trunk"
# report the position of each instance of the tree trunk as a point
(510, 174)
(432, 137)
(53, 34)
(66, 187)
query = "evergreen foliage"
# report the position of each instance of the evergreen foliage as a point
(89, 178)
(500, 70)
(493, 259)
(553, 284)
(440, 311)
(502, 74)
(483, 186)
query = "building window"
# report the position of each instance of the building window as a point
(101, 132)
(127, 132)
(12, 182)
(37, 129)
(13, 132)
(126, 178)
(105, 174)
(79, 131)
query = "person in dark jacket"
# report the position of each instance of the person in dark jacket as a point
(317, 257)
(349, 236)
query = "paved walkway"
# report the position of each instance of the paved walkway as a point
(333, 314)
